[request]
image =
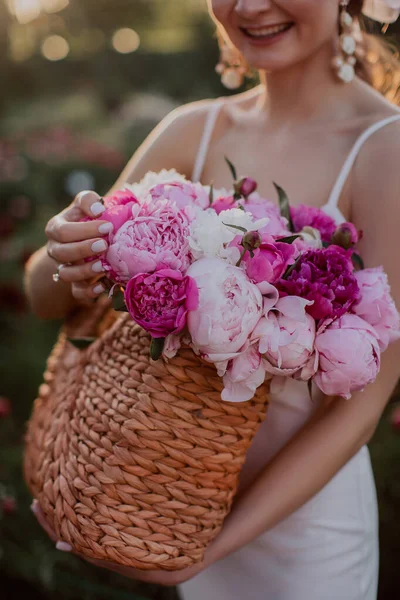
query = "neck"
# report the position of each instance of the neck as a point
(307, 90)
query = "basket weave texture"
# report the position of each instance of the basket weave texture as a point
(132, 460)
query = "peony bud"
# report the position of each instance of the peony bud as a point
(251, 240)
(8, 505)
(395, 418)
(5, 407)
(245, 186)
(346, 236)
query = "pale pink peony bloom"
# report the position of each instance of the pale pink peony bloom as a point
(260, 208)
(244, 375)
(286, 337)
(183, 193)
(229, 308)
(349, 356)
(377, 306)
(154, 236)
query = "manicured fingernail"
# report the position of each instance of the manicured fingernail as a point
(63, 546)
(35, 507)
(97, 267)
(106, 228)
(97, 208)
(98, 289)
(99, 246)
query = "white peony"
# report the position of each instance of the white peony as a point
(152, 179)
(211, 234)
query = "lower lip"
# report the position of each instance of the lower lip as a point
(268, 41)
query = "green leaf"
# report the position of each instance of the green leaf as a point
(82, 343)
(211, 194)
(288, 240)
(232, 169)
(309, 387)
(291, 268)
(118, 301)
(156, 348)
(357, 261)
(235, 227)
(284, 205)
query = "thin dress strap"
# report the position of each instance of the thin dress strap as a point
(205, 140)
(334, 198)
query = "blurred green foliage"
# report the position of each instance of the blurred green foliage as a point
(72, 124)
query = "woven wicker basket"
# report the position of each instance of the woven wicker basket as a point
(131, 460)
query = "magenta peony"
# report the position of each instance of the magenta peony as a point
(160, 302)
(120, 198)
(376, 305)
(270, 260)
(324, 276)
(349, 356)
(229, 309)
(310, 216)
(147, 237)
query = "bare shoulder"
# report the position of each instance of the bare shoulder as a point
(376, 174)
(174, 142)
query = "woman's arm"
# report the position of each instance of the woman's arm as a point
(325, 444)
(172, 144)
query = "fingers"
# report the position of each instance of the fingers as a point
(61, 230)
(37, 511)
(89, 203)
(76, 251)
(81, 272)
(86, 292)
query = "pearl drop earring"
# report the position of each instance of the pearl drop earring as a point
(344, 62)
(230, 68)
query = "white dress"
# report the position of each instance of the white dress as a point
(328, 549)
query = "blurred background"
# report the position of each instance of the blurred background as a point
(82, 84)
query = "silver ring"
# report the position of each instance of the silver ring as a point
(56, 275)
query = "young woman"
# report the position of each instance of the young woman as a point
(304, 524)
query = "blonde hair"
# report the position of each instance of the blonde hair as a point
(378, 60)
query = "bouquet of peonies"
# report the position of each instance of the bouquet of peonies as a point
(258, 289)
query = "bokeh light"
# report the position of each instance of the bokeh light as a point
(125, 40)
(55, 47)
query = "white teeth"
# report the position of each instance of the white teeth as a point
(267, 30)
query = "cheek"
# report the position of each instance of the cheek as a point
(221, 9)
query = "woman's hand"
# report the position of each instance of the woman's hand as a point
(71, 241)
(158, 577)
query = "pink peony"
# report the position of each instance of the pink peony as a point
(346, 236)
(119, 198)
(270, 260)
(324, 276)
(310, 216)
(183, 194)
(160, 302)
(149, 236)
(224, 203)
(244, 375)
(229, 309)
(246, 186)
(376, 305)
(349, 356)
(286, 339)
(260, 208)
